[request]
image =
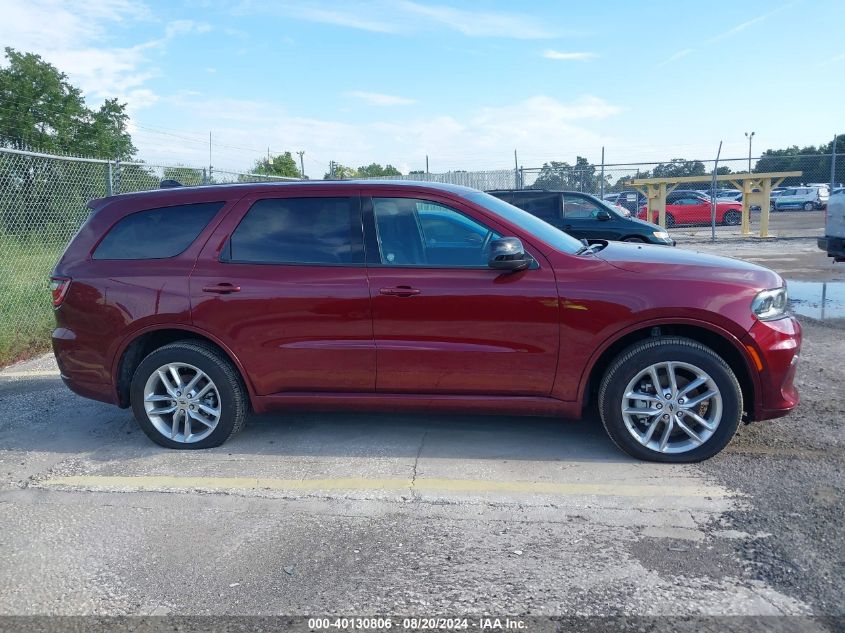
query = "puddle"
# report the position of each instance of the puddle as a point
(821, 300)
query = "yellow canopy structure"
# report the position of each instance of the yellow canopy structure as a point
(756, 190)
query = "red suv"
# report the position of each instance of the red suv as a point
(195, 305)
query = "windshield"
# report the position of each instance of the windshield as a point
(550, 235)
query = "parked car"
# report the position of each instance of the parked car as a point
(196, 305)
(806, 198)
(833, 242)
(584, 216)
(610, 198)
(631, 200)
(684, 207)
(837, 190)
(734, 195)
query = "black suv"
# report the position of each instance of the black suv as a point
(583, 216)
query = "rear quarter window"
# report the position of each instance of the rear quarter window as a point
(156, 233)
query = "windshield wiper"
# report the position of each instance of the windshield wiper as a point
(589, 248)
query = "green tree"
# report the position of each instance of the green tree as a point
(679, 168)
(582, 176)
(812, 161)
(42, 110)
(185, 175)
(341, 172)
(374, 170)
(280, 165)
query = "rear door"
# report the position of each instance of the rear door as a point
(546, 205)
(443, 321)
(282, 282)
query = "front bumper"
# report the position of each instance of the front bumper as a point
(776, 345)
(833, 246)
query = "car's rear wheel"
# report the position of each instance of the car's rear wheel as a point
(670, 399)
(188, 395)
(809, 206)
(732, 218)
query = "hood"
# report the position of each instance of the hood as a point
(643, 223)
(680, 263)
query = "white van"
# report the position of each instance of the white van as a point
(808, 198)
(833, 241)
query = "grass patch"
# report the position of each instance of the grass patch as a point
(26, 314)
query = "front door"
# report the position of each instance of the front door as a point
(580, 219)
(282, 283)
(443, 321)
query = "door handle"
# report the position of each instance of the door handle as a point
(399, 291)
(221, 289)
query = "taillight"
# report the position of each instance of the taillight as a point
(58, 288)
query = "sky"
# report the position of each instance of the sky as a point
(464, 83)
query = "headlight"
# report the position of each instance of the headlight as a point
(770, 304)
(661, 235)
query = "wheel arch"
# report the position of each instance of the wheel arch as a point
(141, 343)
(719, 340)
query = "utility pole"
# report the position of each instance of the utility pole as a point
(301, 164)
(515, 171)
(713, 194)
(210, 168)
(749, 137)
(331, 170)
(833, 163)
(426, 165)
(601, 186)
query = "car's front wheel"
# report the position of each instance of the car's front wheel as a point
(809, 206)
(670, 399)
(732, 218)
(188, 395)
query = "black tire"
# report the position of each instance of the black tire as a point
(641, 355)
(732, 218)
(809, 206)
(634, 239)
(670, 220)
(210, 360)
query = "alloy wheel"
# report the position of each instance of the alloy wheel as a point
(672, 407)
(182, 402)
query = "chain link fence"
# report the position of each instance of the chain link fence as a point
(484, 180)
(43, 202)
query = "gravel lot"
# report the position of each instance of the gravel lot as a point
(427, 515)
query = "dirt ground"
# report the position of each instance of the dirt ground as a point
(357, 514)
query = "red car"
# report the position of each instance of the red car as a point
(690, 207)
(194, 306)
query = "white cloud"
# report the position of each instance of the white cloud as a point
(479, 23)
(485, 138)
(379, 99)
(578, 57)
(76, 36)
(676, 56)
(183, 27)
(404, 16)
(744, 25)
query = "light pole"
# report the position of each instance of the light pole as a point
(301, 164)
(749, 137)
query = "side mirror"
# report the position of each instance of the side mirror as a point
(507, 253)
(602, 215)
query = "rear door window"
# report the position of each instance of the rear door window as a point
(545, 206)
(299, 231)
(156, 233)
